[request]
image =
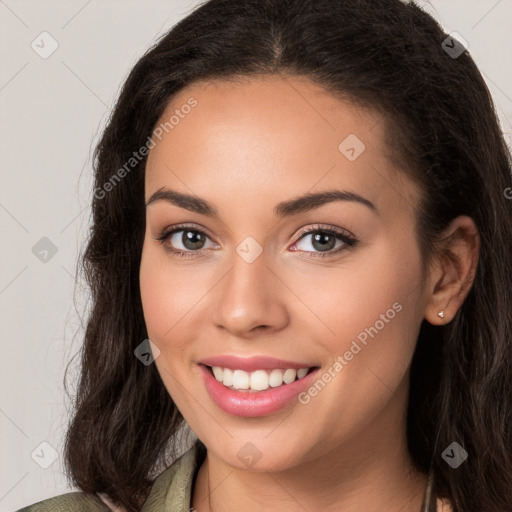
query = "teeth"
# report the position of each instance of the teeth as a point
(289, 375)
(258, 380)
(227, 377)
(302, 372)
(241, 379)
(217, 372)
(275, 378)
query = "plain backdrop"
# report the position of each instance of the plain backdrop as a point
(52, 109)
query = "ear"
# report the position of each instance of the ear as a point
(453, 270)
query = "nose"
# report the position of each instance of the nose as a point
(251, 300)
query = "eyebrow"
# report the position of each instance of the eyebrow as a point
(300, 204)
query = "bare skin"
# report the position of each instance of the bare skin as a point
(245, 148)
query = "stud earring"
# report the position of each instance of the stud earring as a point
(440, 314)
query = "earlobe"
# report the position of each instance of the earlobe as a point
(456, 263)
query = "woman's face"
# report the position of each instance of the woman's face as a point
(259, 282)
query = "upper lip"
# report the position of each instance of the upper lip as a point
(250, 364)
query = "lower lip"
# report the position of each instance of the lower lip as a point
(251, 405)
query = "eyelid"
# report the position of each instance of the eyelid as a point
(323, 227)
(166, 231)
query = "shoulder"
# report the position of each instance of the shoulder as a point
(171, 490)
(70, 502)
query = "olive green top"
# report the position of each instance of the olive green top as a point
(171, 491)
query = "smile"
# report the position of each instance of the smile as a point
(248, 402)
(258, 380)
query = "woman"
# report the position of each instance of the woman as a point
(303, 205)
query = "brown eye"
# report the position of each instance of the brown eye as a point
(323, 242)
(185, 240)
(192, 240)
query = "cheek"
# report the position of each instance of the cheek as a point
(367, 316)
(153, 287)
(365, 310)
(169, 292)
(345, 297)
(165, 302)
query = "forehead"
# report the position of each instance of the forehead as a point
(269, 137)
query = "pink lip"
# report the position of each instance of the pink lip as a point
(250, 364)
(250, 405)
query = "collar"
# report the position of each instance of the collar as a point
(172, 489)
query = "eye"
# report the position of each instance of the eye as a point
(184, 240)
(324, 241)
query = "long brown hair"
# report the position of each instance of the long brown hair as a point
(443, 132)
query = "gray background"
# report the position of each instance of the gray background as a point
(51, 113)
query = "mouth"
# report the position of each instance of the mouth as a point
(258, 380)
(257, 393)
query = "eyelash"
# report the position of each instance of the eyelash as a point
(349, 241)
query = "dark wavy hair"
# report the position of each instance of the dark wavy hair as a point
(443, 131)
